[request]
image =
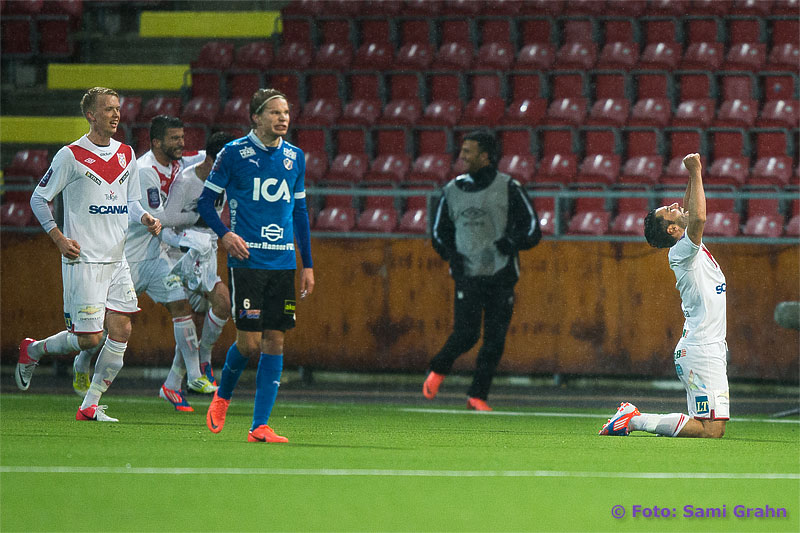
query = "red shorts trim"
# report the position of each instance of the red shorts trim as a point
(84, 332)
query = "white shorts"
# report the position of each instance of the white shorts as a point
(703, 371)
(92, 288)
(154, 276)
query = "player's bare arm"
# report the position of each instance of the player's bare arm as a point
(152, 223)
(695, 199)
(69, 248)
(235, 246)
(306, 282)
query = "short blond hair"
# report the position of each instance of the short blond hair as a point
(90, 98)
(260, 99)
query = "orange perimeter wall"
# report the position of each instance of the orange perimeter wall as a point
(385, 305)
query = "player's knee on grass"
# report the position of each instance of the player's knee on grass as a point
(713, 429)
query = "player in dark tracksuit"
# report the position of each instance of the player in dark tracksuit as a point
(483, 220)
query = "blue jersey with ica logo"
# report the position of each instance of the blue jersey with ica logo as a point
(262, 184)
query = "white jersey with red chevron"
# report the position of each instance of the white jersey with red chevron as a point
(155, 180)
(96, 183)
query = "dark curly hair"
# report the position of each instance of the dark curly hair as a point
(655, 231)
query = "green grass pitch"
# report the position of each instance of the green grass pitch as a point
(380, 467)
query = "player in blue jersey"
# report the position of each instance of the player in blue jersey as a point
(263, 177)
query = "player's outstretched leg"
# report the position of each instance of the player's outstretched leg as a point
(431, 386)
(477, 404)
(618, 425)
(264, 434)
(177, 398)
(215, 417)
(25, 365)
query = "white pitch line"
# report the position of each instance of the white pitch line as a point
(348, 472)
(567, 415)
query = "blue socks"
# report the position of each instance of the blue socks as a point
(235, 364)
(268, 380)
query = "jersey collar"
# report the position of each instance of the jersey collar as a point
(255, 140)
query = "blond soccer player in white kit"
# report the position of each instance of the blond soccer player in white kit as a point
(99, 180)
(151, 267)
(701, 354)
(183, 229)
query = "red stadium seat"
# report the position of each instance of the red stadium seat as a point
(351, 139)
(557, 168)
(778, 86)
(786, 30)
(576, 55)
(763, 206)
(619, 31)
(361, 112)
(320, 112)
(18, 34)
(485, 85)
(772, 170)
(461, 7)
(402, 112)
(589, 223)
(380, 8)
(642, 141)
(366, 85)
(430, 168)
(567, 84)
(784, 57)
(651, 112)
(545, 208)
(642, 169)
(570, 111)
(336, 219)
(764, 226)
(537, 56)
(722, 224)
(521, 167)
(311, 138)
(373, 56)
(694, 113)
(516, 140)
(703, 56)
(453, 56)
(200, 110)
(415, 30)
(770, 142)
(296, 29)
(737, 86)
(333, 56)
(737, 114)
(236, 112)
(599, 168)
(378, 219)
(245, 75)
(337, 28)
(388, 168)
(316, 167)
(414, 221)
(456, 30)
(728, 171)
(432, 139)
(609, 112)
(610, 84)
(442, 113)
(215, 57)
(495, 30)
(495, 56)
(445, 86)
(293, 56)
(414, 56)
(535, 30)
(710, 7)
(629, 223)
(160, 105)
(17, 214)
(628, 8)
(33, 163)
(348, 168)
(780, 114)
(746, 56)
(375, 30)
(483, 112)
(618, 56)
(660, 56)
(525, 112)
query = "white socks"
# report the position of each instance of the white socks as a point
(176, 373)
(63, 342)
(186, 344)
(668, 425)
(212, 329)
(108, 366)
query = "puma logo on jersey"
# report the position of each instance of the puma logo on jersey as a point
(255, 162)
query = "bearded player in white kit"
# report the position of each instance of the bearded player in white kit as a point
(701, 354)
(99, 180)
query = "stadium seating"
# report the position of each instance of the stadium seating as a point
(340, 219)
(377, 219)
